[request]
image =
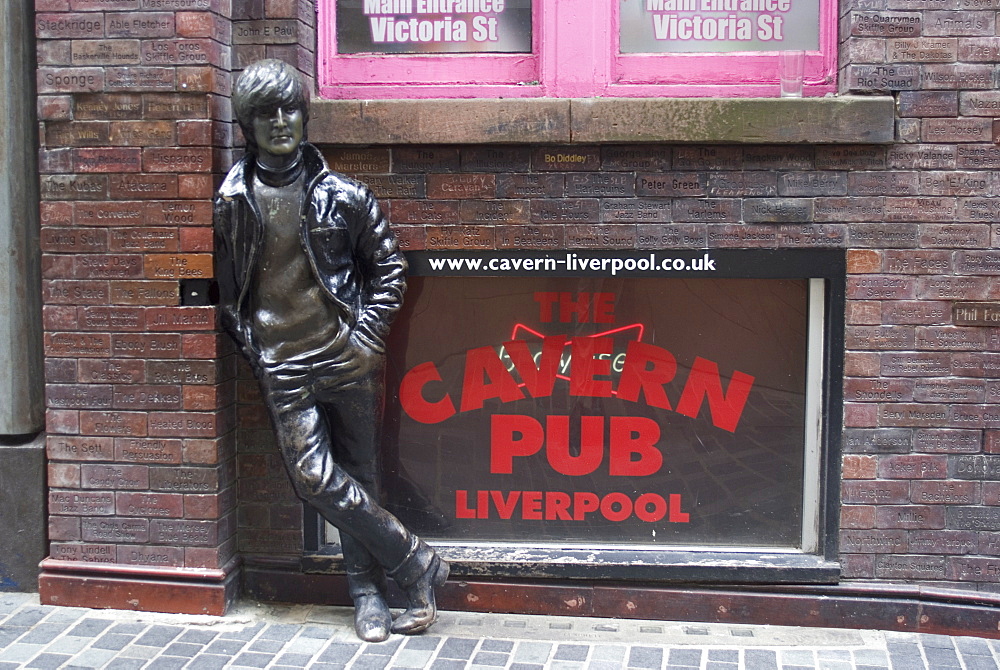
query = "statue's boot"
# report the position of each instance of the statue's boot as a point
(372, 619)
(418, 575)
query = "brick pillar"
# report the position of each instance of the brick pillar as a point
(134, 111)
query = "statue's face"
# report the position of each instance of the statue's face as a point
(279, 131)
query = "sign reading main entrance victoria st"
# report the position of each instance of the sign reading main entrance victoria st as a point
(665, 405)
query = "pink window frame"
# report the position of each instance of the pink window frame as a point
(571, 65)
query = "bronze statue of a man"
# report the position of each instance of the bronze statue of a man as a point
(310, 277)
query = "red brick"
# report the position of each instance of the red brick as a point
(141, 25)
(59, 317)
(870, 492)
(180, 318)
(857, 516)
(915, 517)
(147, 450)
(117, 159)
(450, 186)
(64, 475)
(947, 493)
(861, 364)
(859, 467)
(143, 186)
(195, 240)
(161, 159)
(56, 213)
(864, 312)
(118, 318)
(163, 345)
(194, 133)
(112, 423)
(129, 477)
(194, 24)
(64, 529)
(863, 415)
(99, 370)
(206, 346)
(205, 452)
(195, 186)
(158, 505)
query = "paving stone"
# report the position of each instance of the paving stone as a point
(492, 659)
(428, 642)
(973, 646)
(183, 649)
(497, 645)
(92, 658)
(339, 652)
(198, 636)
(43, 633)
(125, 664)
(294, 660)
(20, 652)
(27, 617)
(48, 661)
(387, 648)
(159, 636)
(727, 655)
(526, 666)
(128, 628)
(69, 645)
(532, 652)
(267, 646)
(567, 665)
(279, 631)
(830, 664)
(225, 647)
(412, 658)
(90, 627)
(207, 662)
(686, 657)
(871, 657)
(760, 659)
(604, 665)
(247, 634)
(457, 648)
(113, 642)
(571, 652)
(798, 657)
(366, 662)
(979, 662)
(167, 663)
(720, 665)
(250, 659)
(941, 657)
(447, 664)
(645, 657)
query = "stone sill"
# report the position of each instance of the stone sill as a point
(830, 120)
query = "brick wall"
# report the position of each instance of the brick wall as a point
(147, 402)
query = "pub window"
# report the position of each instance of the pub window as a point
(644, 411)
(371, 49)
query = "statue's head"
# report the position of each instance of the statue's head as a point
(267, 95)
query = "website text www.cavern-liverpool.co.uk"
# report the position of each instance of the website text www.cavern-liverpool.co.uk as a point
(572, 262)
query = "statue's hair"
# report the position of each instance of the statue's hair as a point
(263, 86)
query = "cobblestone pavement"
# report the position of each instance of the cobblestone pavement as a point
(287, 637)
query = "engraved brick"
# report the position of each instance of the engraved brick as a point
(600, 184)
(953, 288)
(64, 26)
(975, 364)
(977, 262)
(863, 261)
(77, 133)
(495, 212)
(872, 492)
(635, 210)
(959, 23)
(73, 240)
(849, 157)
(957, 130)
(530, 185)
(779, 157)
(910, 567)
(777, 210)
(974, 569)
(177, 266)
(759, 184)
(846, 210)
(62, 421)
(922, 156)
(883, 77)
(425, 159)
(60, 370)
(913, 414)
(74, 187)
(708, 158)
(184, 480)
(142, 186)
(878, 390)
(265, 31)
(950, 338)
(864, 312)
(951, 390)
(363, 160)
(108, 213)
(632, 158)
(920, 209)
(977, 157)
(944, 542)
(460, 237)
(147, 397)
(974, 518)
(947, 440)
(812, 235)
(617, 236)
(974, 467)
(144, 239)
(945, 493)
(410, 238)
(129, 477)
(805, 184)
(66, 529)
(913, 466)
(530, 237)
(174, 106)
(183, 424)
(183, 52)
(681, 235)
(880, 287)
(144, 293)
(979, 50)
(707, 210)
(160, 505)
(54, 107)
(142, 133)
(77, 344)
(146, 345)
(672, 184)
(917, 261)
(56, 213)
(877, 441)
(916, 517)
(923, 50)
(112, 529)
(86, 553)
(180, 318)
(742, 236)
(105, 52)
(75, 292)
(955, 183)
(449, 186)
(179, 213)
(566, 159)
(140, 25)
(899, 235)
(886, 24)
(426, 211)
(106, 160)
(495, 159)
(104, 5)
(581, 210)
(163, 159)
(78, 503)
(873, 541)
(77, 448)
(184, 533)
(883, 183)
(151, 556)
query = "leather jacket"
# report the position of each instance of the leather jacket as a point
(345, 236)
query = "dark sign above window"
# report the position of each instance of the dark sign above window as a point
(433, 26)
